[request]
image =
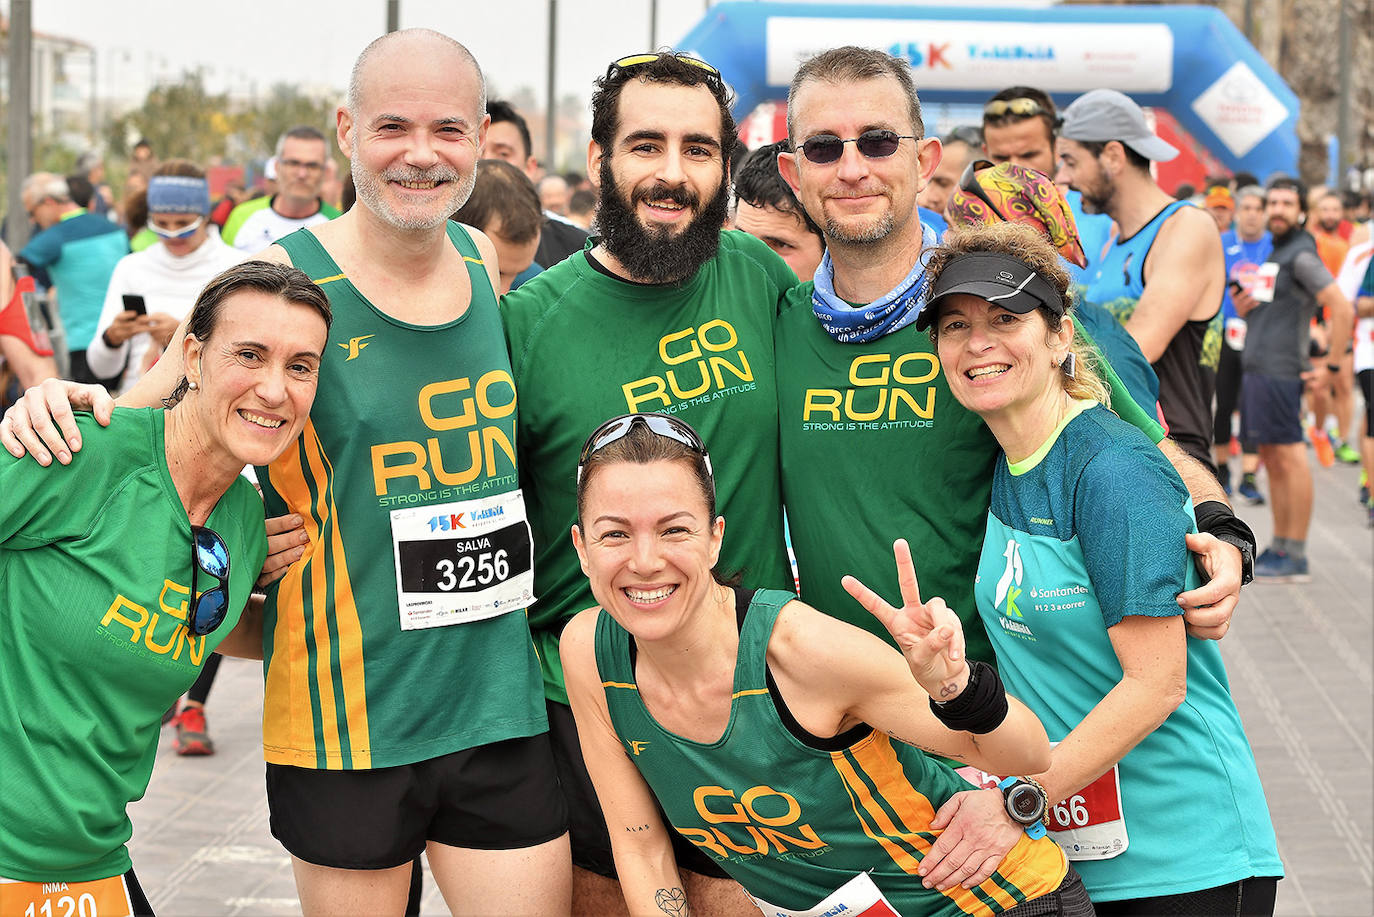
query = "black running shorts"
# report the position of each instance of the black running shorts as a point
(502, 796)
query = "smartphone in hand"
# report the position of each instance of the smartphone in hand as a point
(133, 302)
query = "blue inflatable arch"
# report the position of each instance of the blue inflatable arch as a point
(1188, 60)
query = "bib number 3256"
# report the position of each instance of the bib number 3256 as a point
(462, 562)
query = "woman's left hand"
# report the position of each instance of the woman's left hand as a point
(929, 634)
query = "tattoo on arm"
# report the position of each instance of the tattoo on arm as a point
(948, 689)
(672, 901)
(634, 829)
(929, 751)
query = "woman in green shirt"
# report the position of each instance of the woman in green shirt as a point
(121, 572)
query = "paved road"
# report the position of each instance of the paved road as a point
(1298, 657)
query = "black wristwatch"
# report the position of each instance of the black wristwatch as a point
(1247, 556)
(1026, 804)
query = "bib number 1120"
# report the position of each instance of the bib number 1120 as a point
(67, 906)
(473, 571)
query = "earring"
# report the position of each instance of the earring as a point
(192, 386)
(1070, 365)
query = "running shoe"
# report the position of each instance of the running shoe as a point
(192, 736)
(1321, 444)
(1250, 491)
(1281, 567)
(1345, 453)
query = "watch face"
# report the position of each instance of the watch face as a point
(1025, 803)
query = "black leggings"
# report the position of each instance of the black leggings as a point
(1252, 897)
(1229, 375)
(201, 689)
(136, 897)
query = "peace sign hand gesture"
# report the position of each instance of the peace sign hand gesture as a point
(929, 634)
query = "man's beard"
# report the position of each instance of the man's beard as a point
(1097, 199)
(658, 255)
(370, 186)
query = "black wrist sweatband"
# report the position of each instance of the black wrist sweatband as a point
(980, 707)
(1216, 518)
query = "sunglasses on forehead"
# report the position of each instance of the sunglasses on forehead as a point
(1022, 106)
(639, 60)
(660, 424)
(823, 149)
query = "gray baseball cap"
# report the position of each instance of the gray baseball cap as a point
(1105, 114)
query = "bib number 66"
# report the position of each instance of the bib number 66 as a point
(1071, 813)
(473, 570)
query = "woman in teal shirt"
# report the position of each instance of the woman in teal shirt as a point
(1152, 790)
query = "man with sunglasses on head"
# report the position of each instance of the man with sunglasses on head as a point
(1020, 126)
(664, 313)
(873, 445)
(301, 156)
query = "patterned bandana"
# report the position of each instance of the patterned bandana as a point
(993, 194)
(899, 308)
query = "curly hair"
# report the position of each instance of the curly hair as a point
(1035, 251)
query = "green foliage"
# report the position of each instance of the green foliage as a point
(180, 120)
(184, 120)
(284, 108)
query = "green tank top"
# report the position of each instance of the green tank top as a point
(406, 417)
(795, 817)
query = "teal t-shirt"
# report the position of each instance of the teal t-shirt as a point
(95, 577)
(586, 347)
(1085, 531)
(80, 252)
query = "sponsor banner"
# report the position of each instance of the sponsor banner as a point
(1240, 109)
(971, 55)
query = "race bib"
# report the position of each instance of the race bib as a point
(462, 562)
(1235, 333)
(858, 897)
(1262, 289)
(1089, 824)
(97, 898)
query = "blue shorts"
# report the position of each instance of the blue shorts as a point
(1270, 410)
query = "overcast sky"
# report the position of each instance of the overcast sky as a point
(313, 42)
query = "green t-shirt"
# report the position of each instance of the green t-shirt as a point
(406, 417)
(586, 347)
(876, 448)
(95, 576)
